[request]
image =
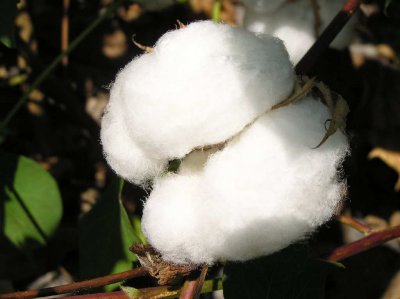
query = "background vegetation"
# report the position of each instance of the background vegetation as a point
(64, 216)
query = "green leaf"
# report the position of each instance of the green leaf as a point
(30, 202)
(8, 11)
(105, 237)
(137, 226)
(287, 274)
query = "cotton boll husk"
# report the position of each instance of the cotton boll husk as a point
(265, 190)
(294, 22)
(121, 152)
(200, 86)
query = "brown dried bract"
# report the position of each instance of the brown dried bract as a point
(147, 49)
(164, 272)
(304, 86)
(180, 24)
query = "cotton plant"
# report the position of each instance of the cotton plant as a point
(297, 22)
(251, 180)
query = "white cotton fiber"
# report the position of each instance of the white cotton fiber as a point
(200, 86)
(265, 190)
(121, 151)
(294, 22)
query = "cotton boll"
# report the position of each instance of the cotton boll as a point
(292, 35)
(265, 190)
(195, 162)
(200, 86)
(173, 219)
(122, 153)
(270, 187)
(294, 23)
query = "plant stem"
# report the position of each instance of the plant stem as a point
(361, 227)
(56, 61)
(327, 36)
(112, 295)
(368, 242)
(77, 286)
(65, 30)
(216, 10)
(164, 292)
(192, 288)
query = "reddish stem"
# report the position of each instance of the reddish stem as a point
(65, 31)
(113, 295)
(357, 225)
(192, 288)
(153, 292)
(368, 242)
(327, 36)
(77, 286)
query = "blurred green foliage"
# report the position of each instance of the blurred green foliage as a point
(8, 10)
(31, 206)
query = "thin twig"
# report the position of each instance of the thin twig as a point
(77, 286)
(65, 31)
(112, 295)
(364, 244)
(357, 225)
(327, 36)
(56, 61)
(164, 292)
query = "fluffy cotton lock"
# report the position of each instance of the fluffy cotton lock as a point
(200, 86)
(294, 22)
(265, 190)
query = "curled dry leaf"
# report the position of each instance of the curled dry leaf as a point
(299, 94)
(147, 49)
(339, 114)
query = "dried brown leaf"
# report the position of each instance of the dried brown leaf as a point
(338, 120)
(147, 49)
(297, 95)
